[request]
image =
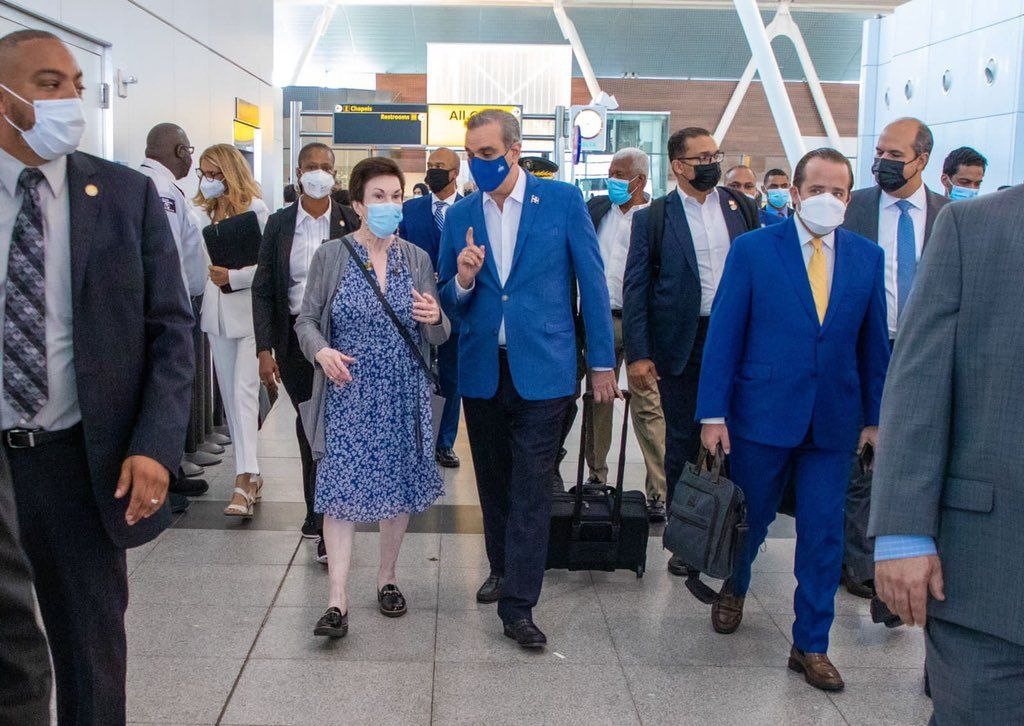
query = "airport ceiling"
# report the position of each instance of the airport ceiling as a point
(648, 38)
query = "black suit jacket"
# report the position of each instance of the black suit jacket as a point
(660, 316)
(270, 312)
(862, 212)
(132, 337)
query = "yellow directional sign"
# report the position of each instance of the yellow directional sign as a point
(446, 122)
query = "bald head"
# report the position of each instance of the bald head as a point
(445, 160)
(168, 143)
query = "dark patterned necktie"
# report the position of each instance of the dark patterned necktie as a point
(25, 312)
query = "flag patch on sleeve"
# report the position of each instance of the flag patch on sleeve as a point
(169, 206)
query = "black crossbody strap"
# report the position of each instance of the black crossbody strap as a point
(402, 330)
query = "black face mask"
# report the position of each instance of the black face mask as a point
(437, 179)
(889, 174)
(706, 176)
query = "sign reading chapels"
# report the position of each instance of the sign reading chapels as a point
(446, 122)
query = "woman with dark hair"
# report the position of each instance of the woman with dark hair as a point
(420, 190)
(369, 420)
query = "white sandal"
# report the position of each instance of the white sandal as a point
(246, 510)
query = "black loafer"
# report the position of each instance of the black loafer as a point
(490, 591)
(447, 458)
(309, 529)
(655, 510)
(880, 613)
(332, 624)
(391, 602)
(525, 633)
(677, 567)
(179, 502)
(189, 487)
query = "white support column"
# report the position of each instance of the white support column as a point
(771, 79)
(569, 33)
(729, 115)
(319, 28)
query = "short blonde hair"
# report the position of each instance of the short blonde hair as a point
(240, 187)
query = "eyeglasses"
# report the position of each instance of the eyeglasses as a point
(715, 158)
(209, 174)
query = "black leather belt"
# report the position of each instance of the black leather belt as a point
(21, 438)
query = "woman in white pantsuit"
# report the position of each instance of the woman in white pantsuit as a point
(226, 189)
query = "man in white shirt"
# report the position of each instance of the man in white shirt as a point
(612, 216)
(676, 258)
(898, 214)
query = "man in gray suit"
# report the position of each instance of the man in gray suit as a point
(25, 680)
(898, 214)
(947, 511)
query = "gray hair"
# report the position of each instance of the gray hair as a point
(510, 130)
(639, 162)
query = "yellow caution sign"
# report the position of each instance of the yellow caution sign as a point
(446, 122)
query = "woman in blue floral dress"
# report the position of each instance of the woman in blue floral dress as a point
(369, 421)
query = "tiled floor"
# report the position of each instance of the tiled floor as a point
(221, 616)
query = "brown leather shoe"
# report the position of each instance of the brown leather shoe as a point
(727, 613)
(817, 669)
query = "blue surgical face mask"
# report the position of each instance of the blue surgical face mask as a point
(618, 190)
(778, 198)
(383, 219)
(489, 173)
(962, 193)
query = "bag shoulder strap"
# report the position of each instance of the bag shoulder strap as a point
(402, 330)
(655, 234)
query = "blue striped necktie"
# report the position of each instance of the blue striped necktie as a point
(906, 255)
(25, 384)
(439, 212)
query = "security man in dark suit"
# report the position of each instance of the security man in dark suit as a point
(422, 221)
(290, 238)
(97, 367)
(676, 258)
(898, 214)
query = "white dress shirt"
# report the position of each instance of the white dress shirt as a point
(61, 408)
(613, 238)
(310, 233)
(888, 224)
(188, 236)
(502, 231)
(710, 241)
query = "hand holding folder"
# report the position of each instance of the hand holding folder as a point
(234, 243)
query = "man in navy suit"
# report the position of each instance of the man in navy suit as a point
(97, 367)
(422, 222)
(676, 256)
(509, 255)
(793, 371)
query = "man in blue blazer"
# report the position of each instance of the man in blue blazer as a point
(97, 368)
(793, 372)
(509, 255)
(422, 222)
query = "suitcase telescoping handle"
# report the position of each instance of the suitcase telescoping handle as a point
(588, 413)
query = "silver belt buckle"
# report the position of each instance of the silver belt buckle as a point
(11, 433)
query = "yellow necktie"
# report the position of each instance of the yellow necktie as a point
(817, 273)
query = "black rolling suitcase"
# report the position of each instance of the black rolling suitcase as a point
(599, 527)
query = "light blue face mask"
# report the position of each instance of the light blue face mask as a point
(618, 190)
(383, 219)
(957, 193)
(778, 198)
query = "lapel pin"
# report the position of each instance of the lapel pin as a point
(732, 205)
(91, 190)
(534, 199)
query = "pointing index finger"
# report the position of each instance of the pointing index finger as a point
(469, 238)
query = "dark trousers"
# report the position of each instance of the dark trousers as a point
(297, 377)
(25, 679)
(820, 477)
(448, 372)
(679, 404)
(514, 444)
(80, 576)
(196, 423)
(976, 679)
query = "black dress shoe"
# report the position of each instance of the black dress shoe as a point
(310, 530)
(447, 458)
(189, 487)
(677, 567)
(179, 503)
(526, 634)
(880, 613)
(490, 591)
(391, 602)
(332, 624)
(655, 510)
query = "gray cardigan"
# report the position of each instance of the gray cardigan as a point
(313, 325)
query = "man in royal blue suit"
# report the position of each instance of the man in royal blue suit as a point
(422, 222)
(793, 372)
(509, 254)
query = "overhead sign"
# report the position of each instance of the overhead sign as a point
(380, 124)
(592, 122)
(446, 122)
